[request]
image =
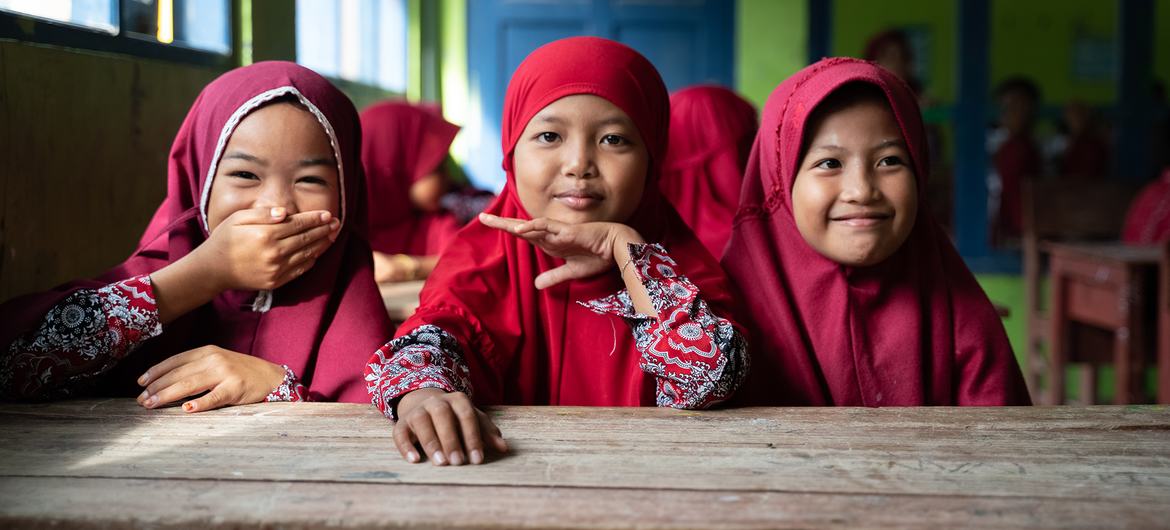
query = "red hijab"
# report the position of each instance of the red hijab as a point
(323, 325)
(711, 132)
(530, 347)
(1148, 220)
(402, 143)
(915, 329)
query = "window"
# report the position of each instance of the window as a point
(355, 40)
(192, 30)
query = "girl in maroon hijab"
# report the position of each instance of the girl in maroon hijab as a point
(403, 148)
(711, 132)
(580, 285)
(252, 281)
(858, 296)
(1148, 220)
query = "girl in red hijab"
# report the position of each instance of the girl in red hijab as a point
(252, 281)
(859, 297)
(556, 296)
(403, 148)
(711, 132)
(1148, 220)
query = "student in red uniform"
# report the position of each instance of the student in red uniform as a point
(1015, 155)
(414, 207)
(711, 132)
(1148, 220)
(580, 285)
(250, 283)
(858, 297)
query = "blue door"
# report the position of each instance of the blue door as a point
(689, 41)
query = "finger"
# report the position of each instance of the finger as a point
(540, 224)
(191, 385)
(447, 428)
(424, 430)
(507, 224)
(258, 216)
(469, 425)
(557, 275)
(300, 222)
(494, 436)
(404, 440)
(313, 241)
(214, 399)
(168, 364)
(150, 398)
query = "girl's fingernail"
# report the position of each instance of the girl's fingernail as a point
(145, 394)
(144, 378)
(412, 457)
(189, 406)
(325, 216)
(438, 458)
(152, 401)
(277, 211)
(335, 224)
(476, 456)
(456, 458)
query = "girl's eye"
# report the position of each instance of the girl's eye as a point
(891, 161)
(613, 139)
(247, 175)
(548, 137)
(828, 163)
(313, 180)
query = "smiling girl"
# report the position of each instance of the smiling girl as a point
(858, 295)
(524, 306)
(250, 284)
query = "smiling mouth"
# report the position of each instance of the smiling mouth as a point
(579, 200)
(862, 219)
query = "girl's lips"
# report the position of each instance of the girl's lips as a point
(862, 220)
(578, 200)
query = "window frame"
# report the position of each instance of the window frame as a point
(32, 29)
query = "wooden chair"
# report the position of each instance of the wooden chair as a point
(1061, 209)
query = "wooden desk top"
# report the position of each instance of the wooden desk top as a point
(109, 463)
(401, 298)
(1113, 251)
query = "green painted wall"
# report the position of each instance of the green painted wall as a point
(771, 43)
(855, 21)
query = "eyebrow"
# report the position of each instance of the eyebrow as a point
(307, 162)
(612, 120)
(892, 142)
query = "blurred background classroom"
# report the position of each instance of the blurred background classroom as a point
(1046, 117)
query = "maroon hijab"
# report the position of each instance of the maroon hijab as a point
(402, 143)
(915, 329)
(530, 347)
(323, 325)
(711, 132)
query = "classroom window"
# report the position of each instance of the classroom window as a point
(186, 29)
(355, 40)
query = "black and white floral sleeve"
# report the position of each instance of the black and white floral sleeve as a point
(427, 357)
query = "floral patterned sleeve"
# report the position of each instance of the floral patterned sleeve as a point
(290, 389)
(81, 337)
(698, 357)
(427, 357)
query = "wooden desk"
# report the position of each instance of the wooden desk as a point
(1105, 285)
(401, 298)
(112, 464)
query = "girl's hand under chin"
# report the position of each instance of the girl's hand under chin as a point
(587, 248)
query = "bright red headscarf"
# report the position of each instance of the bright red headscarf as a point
(402, 143)
(915, 329)
(1148, 220)
(711, 132)
(531, 347)
(323, 325)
